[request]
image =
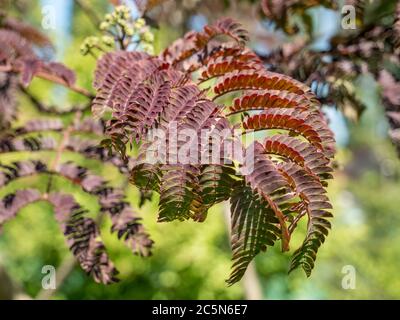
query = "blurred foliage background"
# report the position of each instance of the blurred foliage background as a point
(192, 260)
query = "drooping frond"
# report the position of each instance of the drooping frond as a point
(56, 136)
(125, 222)
(307, 125)
(111, 200)
(81, 232)
(315, 204)
(82, 236)
(266, 202)
(253, 228)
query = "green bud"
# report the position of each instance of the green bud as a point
(108, 17)
(92, 41)
(126, 15)
(84, 49)
(104, 25)
(129, 31)
(140, 23)
(107, 40)
(148, 37)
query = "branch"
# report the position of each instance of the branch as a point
(64, 142)
(50, 110)
(279, 214)
(33, 99)
(57, 80)
(54, 79)
(293, 225)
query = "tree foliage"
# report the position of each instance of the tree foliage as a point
(52, 134)
(205, 82)
(291, 165)
(372, 48)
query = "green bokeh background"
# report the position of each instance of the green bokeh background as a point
(192, 260)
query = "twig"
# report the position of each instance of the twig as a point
(57, 80)
(46, 109)
(33, 99)
(61, 148)
(293, 225)
(52, 78)
(279, 214)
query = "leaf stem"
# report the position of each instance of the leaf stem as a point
(54, 79)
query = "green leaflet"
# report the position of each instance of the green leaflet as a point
(253, 228)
